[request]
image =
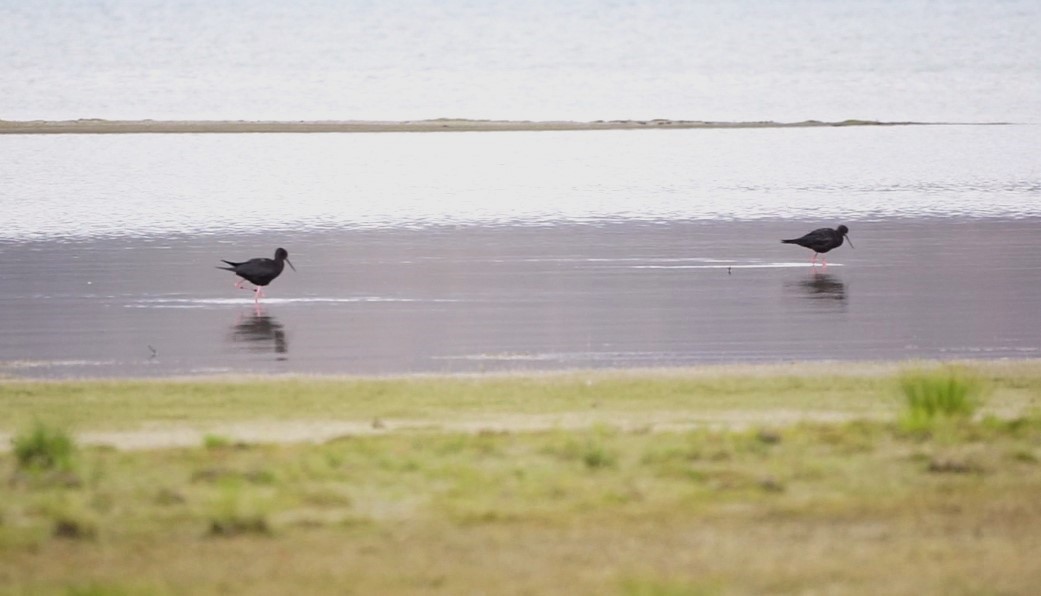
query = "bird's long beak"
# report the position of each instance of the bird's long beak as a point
(290, 264)
(848, 240)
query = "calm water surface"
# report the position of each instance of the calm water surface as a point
(471, 252)
(141, 185)
(516, 251)
(529, 298)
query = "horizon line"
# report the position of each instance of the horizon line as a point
(150, 126)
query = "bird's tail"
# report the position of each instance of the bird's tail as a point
(233, 265)
(225, 268)
(789, 241)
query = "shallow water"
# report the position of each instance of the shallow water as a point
(516, 251)
(525, 298)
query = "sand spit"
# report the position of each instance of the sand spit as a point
(98, 126)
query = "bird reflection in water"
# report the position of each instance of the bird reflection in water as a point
(260, 332)
(823, 286)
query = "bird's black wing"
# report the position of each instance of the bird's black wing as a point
(260, 271)
(259, 267)
(818, 237)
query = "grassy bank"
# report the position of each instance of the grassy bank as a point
(726, 394)
(882, 497)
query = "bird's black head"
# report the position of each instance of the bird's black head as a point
(843, 231)
(282, 254)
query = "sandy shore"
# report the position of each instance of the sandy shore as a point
(99, 126)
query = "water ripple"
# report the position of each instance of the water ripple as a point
(209, 302)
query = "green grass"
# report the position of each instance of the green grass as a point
(236, 512)
(211, 441)
(634, 496)
(127, 404)
(44, 447)
(853, 507)
(847, 389)
(71, 521)
(941, 395)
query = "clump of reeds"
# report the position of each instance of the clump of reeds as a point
(946, 394)
(44, 448)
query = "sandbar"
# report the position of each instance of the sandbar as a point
(101, 126)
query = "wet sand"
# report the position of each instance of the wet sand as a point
(99, 126)
(522, 298)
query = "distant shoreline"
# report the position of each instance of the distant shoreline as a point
(100, 126)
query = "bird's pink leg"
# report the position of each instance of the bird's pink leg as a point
(813, 263)
(238, 284)
(824, 262)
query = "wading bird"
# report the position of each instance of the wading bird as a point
(821, 241)
(260, 271)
